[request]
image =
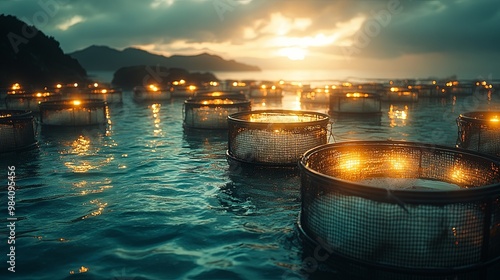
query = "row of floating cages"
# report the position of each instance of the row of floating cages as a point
(17, 130)
(151, 93)
(457, 89)
(275, 137)
(316, 95)
(210, 110)
(85, 112)
(401, 206)
(429, 90)
(399, 94)
(29, 101)
(479, 131)
(108, 94)
(355, 103)
(267, 90)
(182, 89)
(234, 85)
(294, 87)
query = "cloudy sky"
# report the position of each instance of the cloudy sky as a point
(364, 38)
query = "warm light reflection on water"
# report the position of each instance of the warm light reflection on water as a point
(398, 114)
(155, 108)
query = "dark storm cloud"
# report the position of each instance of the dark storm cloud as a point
(435, 27)
(419, 27)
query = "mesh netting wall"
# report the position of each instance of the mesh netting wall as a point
(355, 103)
(479, 131)
(402, 205)
(16, 130)
(28, 101)
(231, 94)
(69, 113)
(212, 113)
(275, 137)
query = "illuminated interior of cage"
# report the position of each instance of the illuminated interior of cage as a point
(479, 131)
(275, 137)
(211, 112)
(402, 205)
(73, 112)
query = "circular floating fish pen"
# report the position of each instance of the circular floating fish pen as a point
(17, 131)
(317, 95)
(479, 131)
(267, 91)
(397, 94)
(220, 94)
(151, 93)
(211, 112)
(29, 101)
(274, 137)
(73, 112)
(110, 95)
(402, 206)
(358, 103)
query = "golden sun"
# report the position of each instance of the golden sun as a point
(293, 53)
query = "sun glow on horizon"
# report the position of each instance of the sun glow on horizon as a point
(293, 53)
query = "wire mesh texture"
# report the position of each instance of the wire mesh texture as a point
(211, 112)
(275, 137)
(29, 101)
(402, 205)
(17, 130)
(73, 112)
(479, 131)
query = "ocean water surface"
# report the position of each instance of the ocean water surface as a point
(142, 198)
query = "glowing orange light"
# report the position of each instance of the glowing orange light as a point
(75, 84)
(356, 95)
(77, 102)
(58, 86)
(153, 88)
(16, 86)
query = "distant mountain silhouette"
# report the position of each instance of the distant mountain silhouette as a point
(31, 58)
(103, 58)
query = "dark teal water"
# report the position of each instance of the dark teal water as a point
(144, 199)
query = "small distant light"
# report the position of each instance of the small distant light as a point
(96, 84)
(58, 86)
(77, 102)
(75, 84)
